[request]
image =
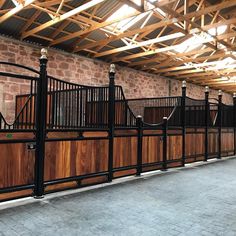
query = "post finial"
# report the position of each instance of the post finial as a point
(220, 92)
(44, 53)
(183, 84)
(206, 89)
(234, 95)
(112, 68)
(139, 117)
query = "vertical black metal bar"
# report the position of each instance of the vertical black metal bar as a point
(111, 119)
(53, 104)
(219, 122)
(206, 121)
(139, 124)
(56, 104)
(49, 118)
(81, 110)
(1, 121)
(31, 97)
(183, 119)
(234, 98)
(34, 103)
(41, 109)
(164, 166)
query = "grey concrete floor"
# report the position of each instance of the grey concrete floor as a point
(190, 201)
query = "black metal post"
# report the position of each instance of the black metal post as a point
(234, 98)
(206, 121)
(139, 145)
(220, 122)
(183, 119)
(164, 166)
(111, 119)
(41, 109)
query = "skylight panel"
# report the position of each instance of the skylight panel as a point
(217, 31)
(226, 63)
(190, 44)
(123, 11)
(198, 39)
(16, 3)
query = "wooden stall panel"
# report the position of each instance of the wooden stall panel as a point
(152, 149)
(227, 142)
(190, 147)
(72, 158)
(154, 115)
(174, 147)
(125, 154)
(213, 143)
(125, 151)
(194, 142)
(17, 165)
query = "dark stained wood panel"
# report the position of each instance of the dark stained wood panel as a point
(72, 158)
(174, 147)
(153, 115)
(213, 137)
(17, 165)
(97, 113)
(194, 143)
(227, 140)
(152, 149)
(125, 151)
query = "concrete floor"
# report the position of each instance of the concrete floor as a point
(190, 201)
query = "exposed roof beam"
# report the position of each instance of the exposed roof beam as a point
(51, 3)
(199, 73)
(198, 59)
(176, 14)
(60, 18)
(169, 48)
(100, 25)
(141, 44)
(162, 23)
(15, 10)
(174, 62)
(30, 21)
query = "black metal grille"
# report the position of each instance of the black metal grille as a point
(154, 109)
(25, 117)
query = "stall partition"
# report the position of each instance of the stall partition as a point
(65, 135)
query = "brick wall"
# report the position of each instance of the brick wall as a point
(86, 71)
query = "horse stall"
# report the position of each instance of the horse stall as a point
(65, 135)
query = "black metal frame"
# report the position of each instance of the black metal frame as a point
(103, 102)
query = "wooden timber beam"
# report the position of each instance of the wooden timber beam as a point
(2, 3)
(60, 18)
(168, 48)
(15, 10)
(176, 62)
(95, 27)
(200, 73)
(141, 44)
(162, 23)
(174, 13)
(198, 59)
(205, 80)
(178, 56)
(30, 21)
(51, 3)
